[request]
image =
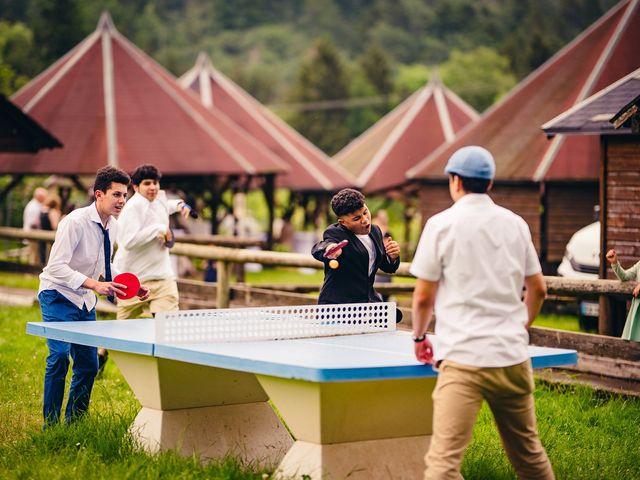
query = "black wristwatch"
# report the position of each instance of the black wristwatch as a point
(420, 338)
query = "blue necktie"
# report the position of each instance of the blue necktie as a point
(107, 258)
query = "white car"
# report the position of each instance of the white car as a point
(582, 260)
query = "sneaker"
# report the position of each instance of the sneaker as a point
(102, 360)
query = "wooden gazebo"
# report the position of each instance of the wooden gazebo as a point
(612, 115)
(110, 103)
(553, 185)
(19, 133)
(311, 173)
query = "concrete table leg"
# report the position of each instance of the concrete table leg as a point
(204, 410)
(359, 430)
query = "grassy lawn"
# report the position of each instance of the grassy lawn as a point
(588, 435)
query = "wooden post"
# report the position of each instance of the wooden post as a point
(269, 194)
(605, 310)
(224, 280)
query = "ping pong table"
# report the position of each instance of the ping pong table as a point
(358, 405)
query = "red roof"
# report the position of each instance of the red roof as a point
(511, 130)
(310, 168)
(109, 103)
(430, 117)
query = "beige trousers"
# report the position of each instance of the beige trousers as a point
(163, 297)
(457, 398)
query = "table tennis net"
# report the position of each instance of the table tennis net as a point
(273, 323)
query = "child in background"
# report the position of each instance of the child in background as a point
(632, 325)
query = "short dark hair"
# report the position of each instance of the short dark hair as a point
(145, 172)
(474, 185)
(108, 175)
(347, 201)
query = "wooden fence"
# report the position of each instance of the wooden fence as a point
(598, 354)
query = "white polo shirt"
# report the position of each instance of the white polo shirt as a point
(479, 253)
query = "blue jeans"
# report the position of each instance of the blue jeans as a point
(56, 308)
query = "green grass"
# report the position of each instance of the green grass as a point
(99, 446)
(560, 322)
(19, 280)
(289, 276)
(588, 435)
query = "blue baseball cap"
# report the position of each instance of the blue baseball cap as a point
(472, 162)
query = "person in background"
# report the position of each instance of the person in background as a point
(80, 256)
(631, 329)
(31, 221)
(144, 240)
(366, 252)
(50, 216)
(471, 264)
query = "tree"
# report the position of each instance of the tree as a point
(480, 76)
(57, 26)
(322, 77)
(376, 66)
(16, 56)
(410, 78)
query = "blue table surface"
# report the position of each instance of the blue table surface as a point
(385, 355)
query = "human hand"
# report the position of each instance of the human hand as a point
(143, 293)
(424, 351)
(612, 256)
(331, 253)
(185, 210)
(392, 248)
(109, 288)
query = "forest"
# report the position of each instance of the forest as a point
(331, 68)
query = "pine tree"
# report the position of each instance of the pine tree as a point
(322, 77)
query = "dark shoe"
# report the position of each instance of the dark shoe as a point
(102, 359)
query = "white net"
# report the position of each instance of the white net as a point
(273, 323)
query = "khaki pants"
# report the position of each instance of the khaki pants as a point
(457, 399)
(163, 297)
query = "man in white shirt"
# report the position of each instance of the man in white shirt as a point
(144, 239)
(31, 221)
(472, 263)
(80, 255)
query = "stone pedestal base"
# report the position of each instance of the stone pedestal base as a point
(252, 432)
(393, 458)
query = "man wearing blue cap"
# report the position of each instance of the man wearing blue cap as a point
(472, 263)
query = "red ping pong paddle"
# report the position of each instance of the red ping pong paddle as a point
(132, 283)
(335, 248)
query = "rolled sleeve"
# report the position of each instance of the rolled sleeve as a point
(532, 262)
(426, 264)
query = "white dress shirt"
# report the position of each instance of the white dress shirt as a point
(479, 253)
(367, 241)
(140, 250)
(31, 215)
(78, 254)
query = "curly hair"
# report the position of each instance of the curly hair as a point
(145, 172)
(108, 175)
(347, 201)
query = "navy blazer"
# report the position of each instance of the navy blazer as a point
(351, 282)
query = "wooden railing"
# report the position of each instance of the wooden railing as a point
(225, 256)
(599, 355)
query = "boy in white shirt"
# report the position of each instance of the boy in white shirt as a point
(80, 255)
(144, 239)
